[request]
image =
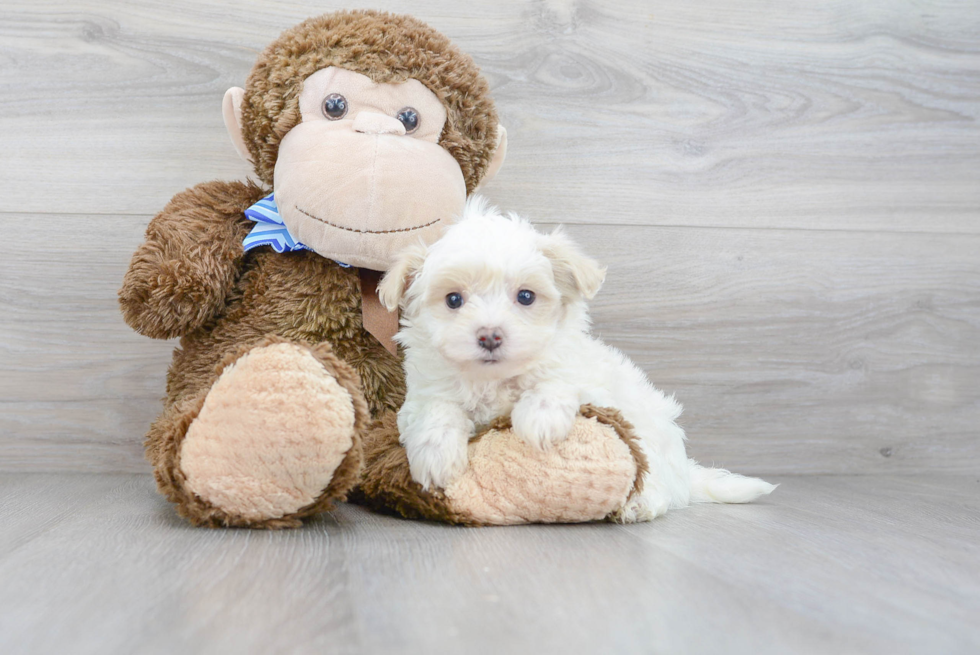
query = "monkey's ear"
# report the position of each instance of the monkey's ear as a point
(498, 157)
(399, 277)
(576, 274)
(231, 109)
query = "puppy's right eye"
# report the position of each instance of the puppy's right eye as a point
(454, 301)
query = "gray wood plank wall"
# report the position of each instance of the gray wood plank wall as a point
(787, 195)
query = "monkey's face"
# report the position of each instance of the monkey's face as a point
(363, 174)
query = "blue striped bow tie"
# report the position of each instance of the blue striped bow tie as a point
(270, 230)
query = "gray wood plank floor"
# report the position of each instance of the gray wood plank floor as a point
(828, 564)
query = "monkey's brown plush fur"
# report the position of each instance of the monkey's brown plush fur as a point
(191, 279)
(386, 48)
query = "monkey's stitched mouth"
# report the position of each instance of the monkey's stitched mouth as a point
(350, 229)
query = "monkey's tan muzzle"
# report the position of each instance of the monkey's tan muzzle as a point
(377, 191)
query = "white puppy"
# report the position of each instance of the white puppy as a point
(494, 323)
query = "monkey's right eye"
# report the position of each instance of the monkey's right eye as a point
(454, 301)
(335, 106)
(409, 118)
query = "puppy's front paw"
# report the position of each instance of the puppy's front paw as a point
(435, 460)
(541, 420)
(435, 436)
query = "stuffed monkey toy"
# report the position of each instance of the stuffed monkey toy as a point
(367, 131)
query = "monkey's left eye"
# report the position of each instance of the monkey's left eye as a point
(335, 106)
(410, 119)
(525, 297)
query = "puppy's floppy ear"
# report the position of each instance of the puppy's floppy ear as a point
(399, 277)
(576, 274)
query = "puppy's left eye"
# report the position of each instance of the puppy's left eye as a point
(525, 297)
(454, 300)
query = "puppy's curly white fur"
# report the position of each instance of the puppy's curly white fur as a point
(495, 323)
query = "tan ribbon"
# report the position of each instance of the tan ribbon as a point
(377, 320)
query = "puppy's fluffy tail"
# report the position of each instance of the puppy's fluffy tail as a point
(721, 486)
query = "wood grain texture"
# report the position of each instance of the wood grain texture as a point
(786, 196)
(826, 564)
(793, 351)
(811, 115)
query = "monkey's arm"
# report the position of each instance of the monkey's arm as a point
(179, 277)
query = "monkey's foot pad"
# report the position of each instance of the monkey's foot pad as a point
(587, 477)
(272, 431)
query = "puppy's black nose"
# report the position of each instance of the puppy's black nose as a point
(489, 339)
